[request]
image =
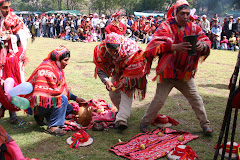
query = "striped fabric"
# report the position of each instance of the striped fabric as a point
(48, 85)
(129, 66)
(175, 65)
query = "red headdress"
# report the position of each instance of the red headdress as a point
(116, 14)
(58, 52)
(173, 9)
(114, 38)
(2, 1)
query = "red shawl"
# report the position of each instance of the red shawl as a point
(175, 65)
(48, 85)
(129, 66)
(118, 28)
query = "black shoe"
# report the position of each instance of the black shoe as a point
(13, 117)
(121, 125)
(40, 120)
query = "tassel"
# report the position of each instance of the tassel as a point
(54, 100)
(38, 100)
(48, 101)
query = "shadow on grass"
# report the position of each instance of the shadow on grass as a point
(218, 86)
(51, 147)
(84, 62)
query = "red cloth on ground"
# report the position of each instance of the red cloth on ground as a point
(107, 115)
(155, 146)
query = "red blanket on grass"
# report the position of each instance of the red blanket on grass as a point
(155, 146)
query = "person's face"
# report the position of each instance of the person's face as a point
(183, 17)
(113, 52)
(230, 19)
(64, 62)
(5, 8)
(203, 18)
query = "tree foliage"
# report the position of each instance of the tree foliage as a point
(129, 6)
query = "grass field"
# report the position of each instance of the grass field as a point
(211, 79)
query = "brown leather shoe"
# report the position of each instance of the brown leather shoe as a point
(121, 125)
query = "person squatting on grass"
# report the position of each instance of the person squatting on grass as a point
(50, 95)
(14, 35)
(176, 68)
(121, 59)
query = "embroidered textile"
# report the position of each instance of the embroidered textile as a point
(4, 137)
(175, 65)
(48, 85)
(128, 67)
(155, 146)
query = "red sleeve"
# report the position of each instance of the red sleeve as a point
(107, 29)
(124, 29)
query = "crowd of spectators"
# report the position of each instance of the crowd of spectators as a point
(224, 35)
(92, 28)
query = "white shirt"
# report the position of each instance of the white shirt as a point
(102, 23)
(230, 25)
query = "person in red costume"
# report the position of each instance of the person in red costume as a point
(116, 25)
(13, 39)
(176, 68)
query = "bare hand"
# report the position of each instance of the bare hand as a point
(181, 46)
(119, 86)
(200, 47)
(80, 100)
(109, 85)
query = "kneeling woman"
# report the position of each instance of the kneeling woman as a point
(50, 95)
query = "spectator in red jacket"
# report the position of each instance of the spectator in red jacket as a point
(116, 25)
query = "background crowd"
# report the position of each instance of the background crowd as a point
(91, 28)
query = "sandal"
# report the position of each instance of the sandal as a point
(144, 128)
(57, 132)
(40, 120)
(207, 131)
(13, 117)
(121, 125)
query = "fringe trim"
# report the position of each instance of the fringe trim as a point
(135, 87)
(46, 102)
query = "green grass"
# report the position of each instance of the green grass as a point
(211, 79)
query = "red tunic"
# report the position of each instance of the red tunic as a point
(119, 28)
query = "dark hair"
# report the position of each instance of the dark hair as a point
(182, 7)
(112, 45)
(4, 1)
(64, 55)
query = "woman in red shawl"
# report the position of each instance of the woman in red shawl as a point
(116, 25)
(50, 95)
(122, 59)
(176, 68)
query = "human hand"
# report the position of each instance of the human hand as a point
(181, 46)
(109, 85)
(200, 46)
(119, 86)
(80, 100)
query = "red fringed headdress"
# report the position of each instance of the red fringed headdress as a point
(58, 52)
(172, 12)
